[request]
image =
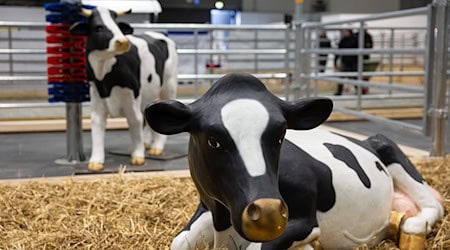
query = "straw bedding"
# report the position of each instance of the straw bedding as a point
(130, 213)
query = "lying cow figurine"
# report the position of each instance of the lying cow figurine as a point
(125, 72)
(265, 187)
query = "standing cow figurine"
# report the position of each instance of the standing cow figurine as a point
(125, 72)
(265, 187)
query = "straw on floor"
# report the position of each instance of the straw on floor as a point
(130, 213)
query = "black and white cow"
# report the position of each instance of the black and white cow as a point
(268, 180)
(125, 72)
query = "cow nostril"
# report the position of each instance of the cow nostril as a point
(254, 212)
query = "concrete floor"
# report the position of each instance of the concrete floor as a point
(25, 155)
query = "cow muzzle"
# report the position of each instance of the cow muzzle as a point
(264, 219)
(122, 45)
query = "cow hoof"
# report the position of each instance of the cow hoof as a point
(147, 146)
(137, 160)
(315, 244)
(395, 222)
(95, 166)
(412, 241)
(155, 152)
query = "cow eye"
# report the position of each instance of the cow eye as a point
(213, 143)
(99, 28)
(280, 140)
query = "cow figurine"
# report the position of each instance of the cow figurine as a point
(268, 180)
(125, 72)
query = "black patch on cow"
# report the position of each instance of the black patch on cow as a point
(306, 184)
(297, 230)
(390, 153)
(363, 144)
(99, 35)
(149, 78)
(345, 155)
(160, 51)
(381, 168)
(124, 73)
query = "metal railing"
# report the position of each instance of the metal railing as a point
(306, 73)
(281, 49)
(296, 50)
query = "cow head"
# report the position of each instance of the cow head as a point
(103, 33)
(237, 129)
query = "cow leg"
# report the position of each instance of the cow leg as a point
(409, 181)
(147, 135)
(198, 234)
(98, 125)
(135, 120)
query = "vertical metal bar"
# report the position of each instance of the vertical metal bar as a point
(74, 133)
(402, 56)
(10, 56)
(196, 83)
(428, 69)
(255, 42)
(286, 63)
(307, 63)
(382, 54)
(415, 38)
(211, 64)
(360, 63)
(299, 32)
(391, 59)
(316, 62)
(440, 66)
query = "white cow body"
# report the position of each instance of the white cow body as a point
(347, 224)
(359, 216)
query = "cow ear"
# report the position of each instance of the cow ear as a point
(125, 28)
(307, 113)
(79, 29)
(168, 117)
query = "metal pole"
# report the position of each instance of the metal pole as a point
(391, 46)
(307, 62)
(382, 47)
(211, 40)
(428, 69)
(415, 38)
(402, 56)
(256, 47)
(74, 133)
(316, 62)
(196, 83)
(360, 63)
(286, 63)
(299, 32)
(10, 56)
(440, 73)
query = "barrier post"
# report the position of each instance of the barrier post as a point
(74, 135)
(439, 110)
(66, 72)
(361, 43)
(428, 70)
